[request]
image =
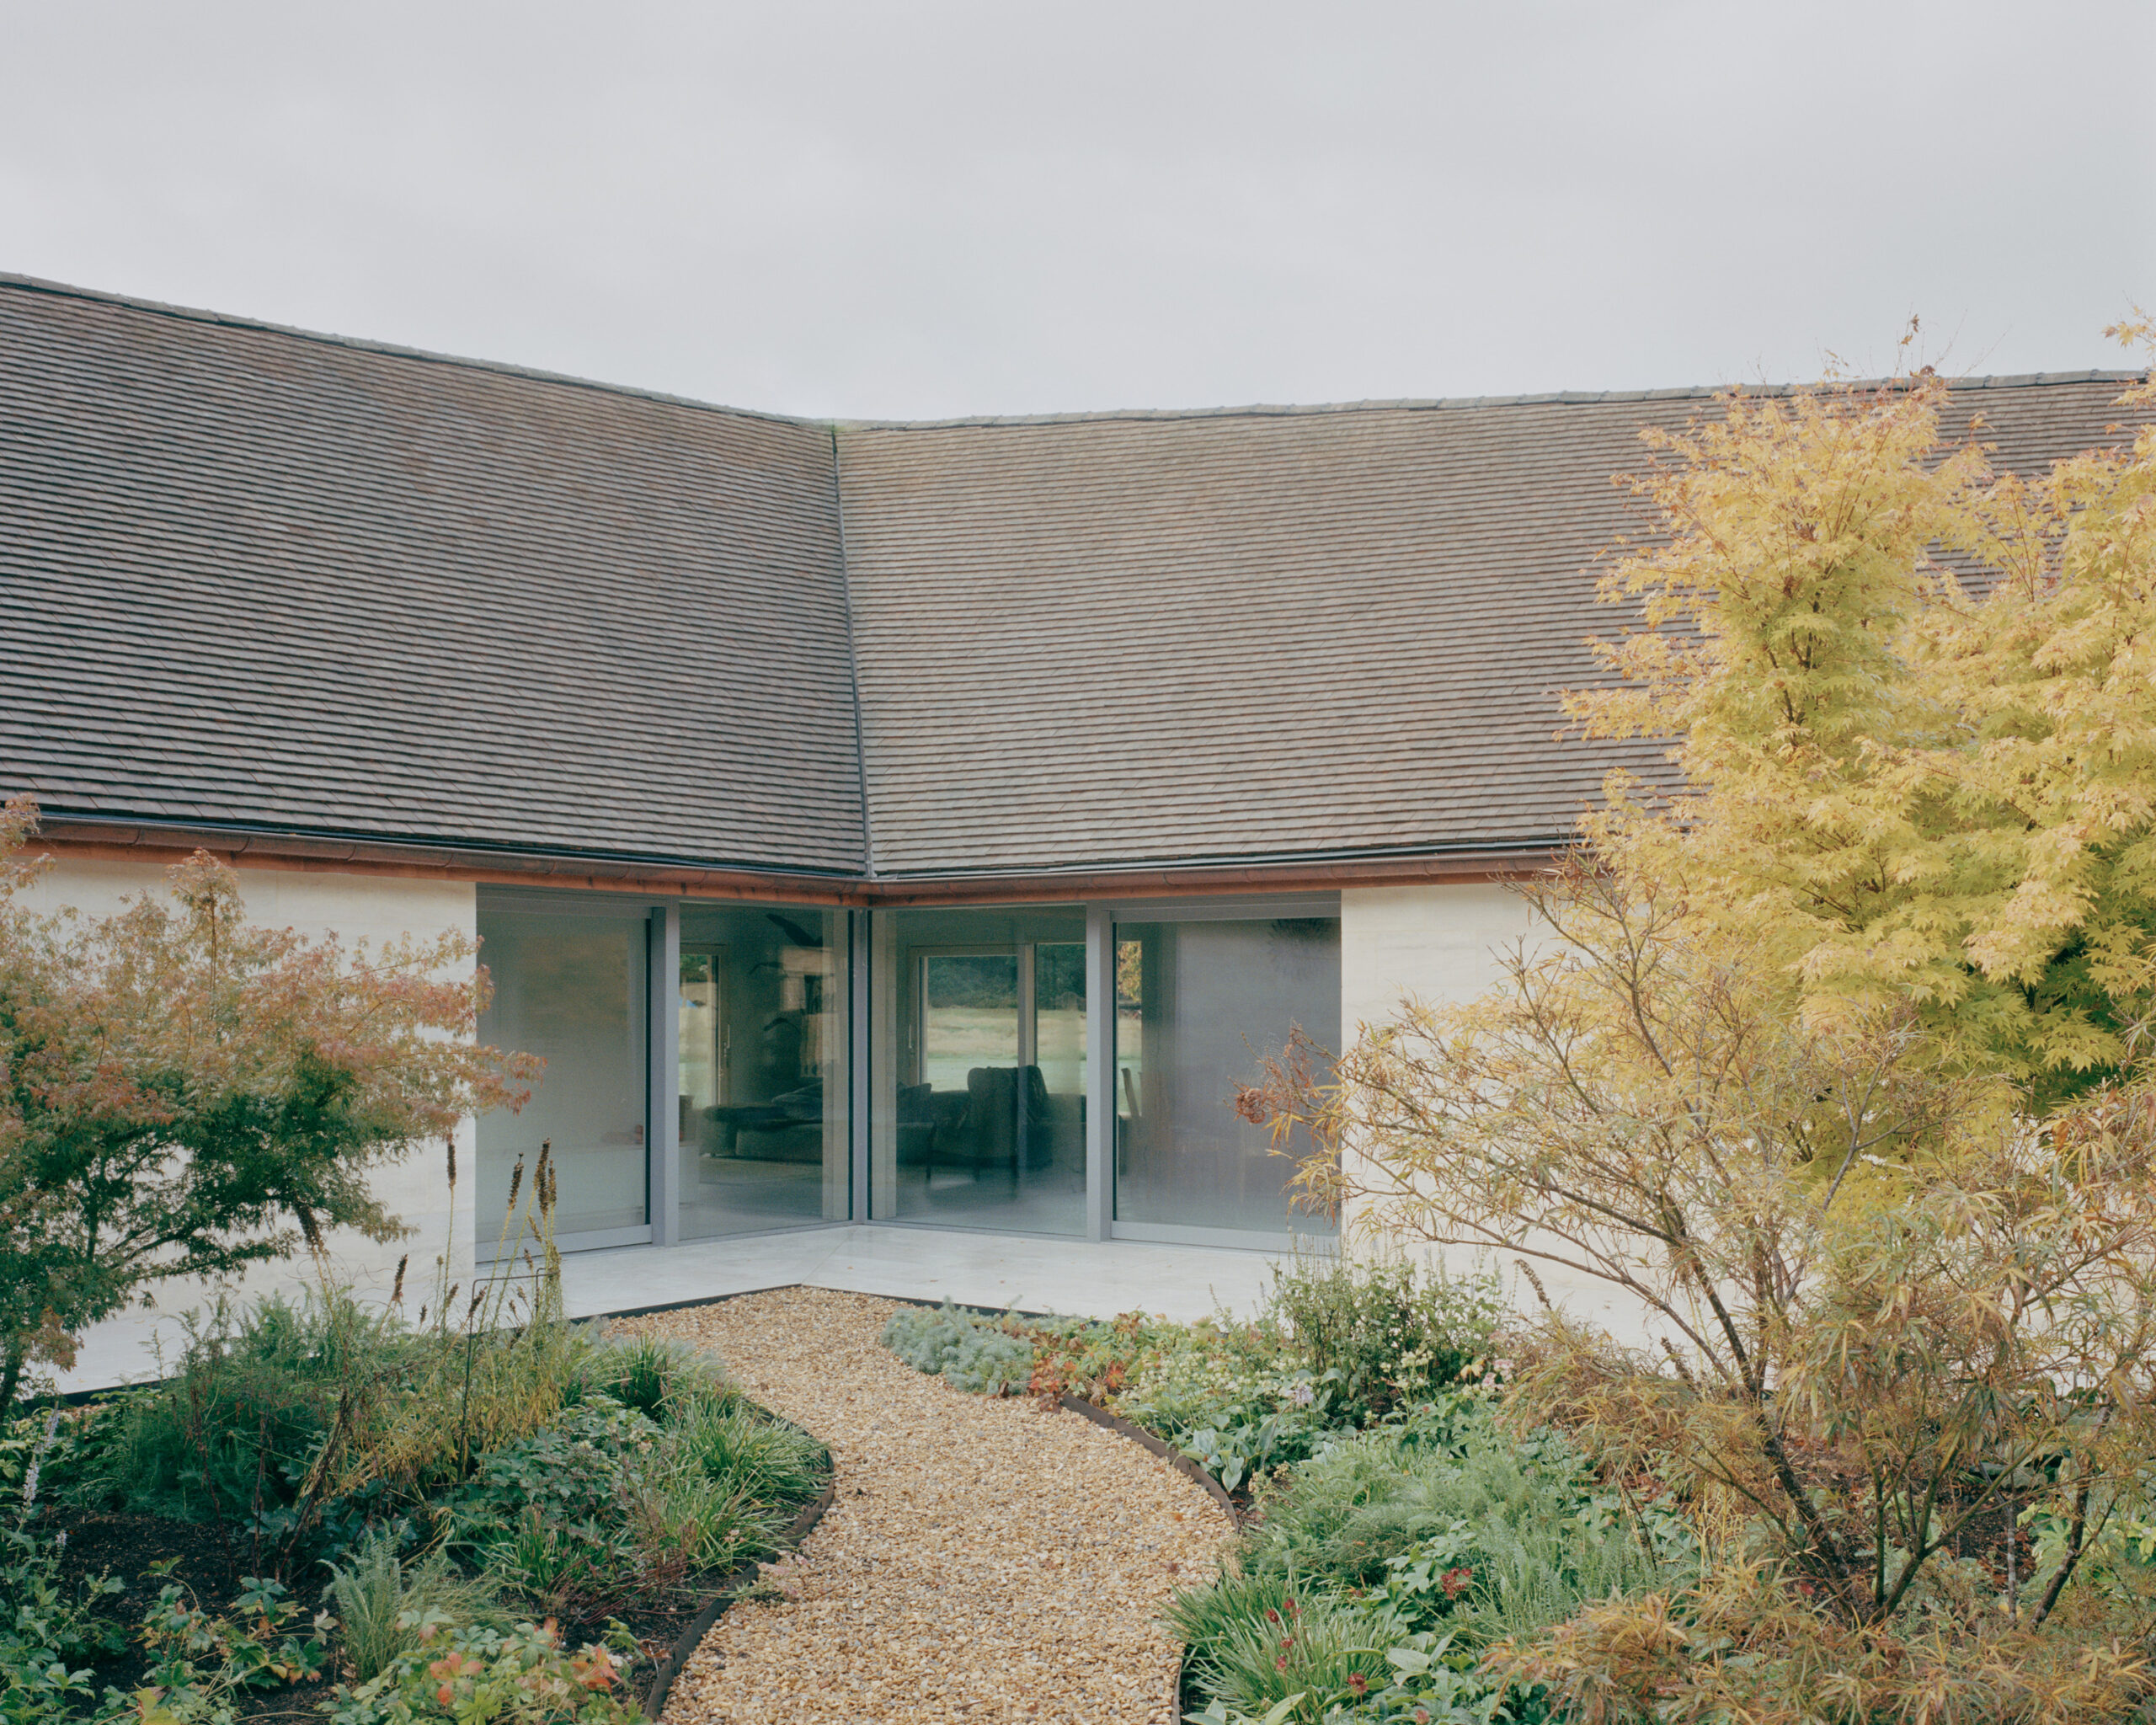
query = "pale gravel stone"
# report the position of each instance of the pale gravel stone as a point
(983, 1559)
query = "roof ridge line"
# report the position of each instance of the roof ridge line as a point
(853, 667)
(391, 350)
(1561, 398)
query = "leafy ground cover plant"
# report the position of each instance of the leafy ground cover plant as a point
(1337, 1346)
(46, 1623)
(969, 1354)
(1374, 1576)
(520, 1676)
(606, 1509)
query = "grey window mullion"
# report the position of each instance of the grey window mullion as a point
(1099, 1071)
(664, 1134)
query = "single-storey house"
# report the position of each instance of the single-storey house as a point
(873, 822)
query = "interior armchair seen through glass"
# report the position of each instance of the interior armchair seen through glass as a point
(979, 1116)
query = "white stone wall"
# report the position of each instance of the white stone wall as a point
(354, 907)
(1434, 943)
(1441, 943)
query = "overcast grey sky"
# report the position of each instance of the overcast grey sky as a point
(916, 210)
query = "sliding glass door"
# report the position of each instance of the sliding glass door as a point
(761, 1056)
(699, 1061)
(695, 1065)
(1201, 1004)
(571, 986)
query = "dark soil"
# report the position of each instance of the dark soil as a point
(128, 1547)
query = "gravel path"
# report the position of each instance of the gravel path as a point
(983, 1559)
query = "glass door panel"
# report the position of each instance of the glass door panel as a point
(570, 989)
(968, 1014)
(1060, 1016)
(705, 1045)
(1199, 1006)
(980, 1113)
(762, 1062)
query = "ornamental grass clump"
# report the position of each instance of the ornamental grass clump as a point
(257, 1391)
(381, 1601)
(743, 1449)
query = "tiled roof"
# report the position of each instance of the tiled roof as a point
(1103, 639)
(256, 577)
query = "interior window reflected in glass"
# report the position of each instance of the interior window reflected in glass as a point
(1199, 1006)
(980, 1091)
(762, 1063)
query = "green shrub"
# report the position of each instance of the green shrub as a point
(1382, 1334)
(969, 1353)
(1421, 1542)
(582, 1467)
(565, 1519)
(605, 1508)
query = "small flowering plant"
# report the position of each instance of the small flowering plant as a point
(46, 1626)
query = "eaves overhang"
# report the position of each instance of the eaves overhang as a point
(247, 846)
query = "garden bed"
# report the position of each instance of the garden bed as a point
(327, 1511)
(145, 1553)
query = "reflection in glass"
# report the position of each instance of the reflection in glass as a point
(762, 1063)
(980, 1117)
(573, 990)
(1200, 1006)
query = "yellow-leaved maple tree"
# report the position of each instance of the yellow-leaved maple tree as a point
(1829, 1054)
(1913, 710)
